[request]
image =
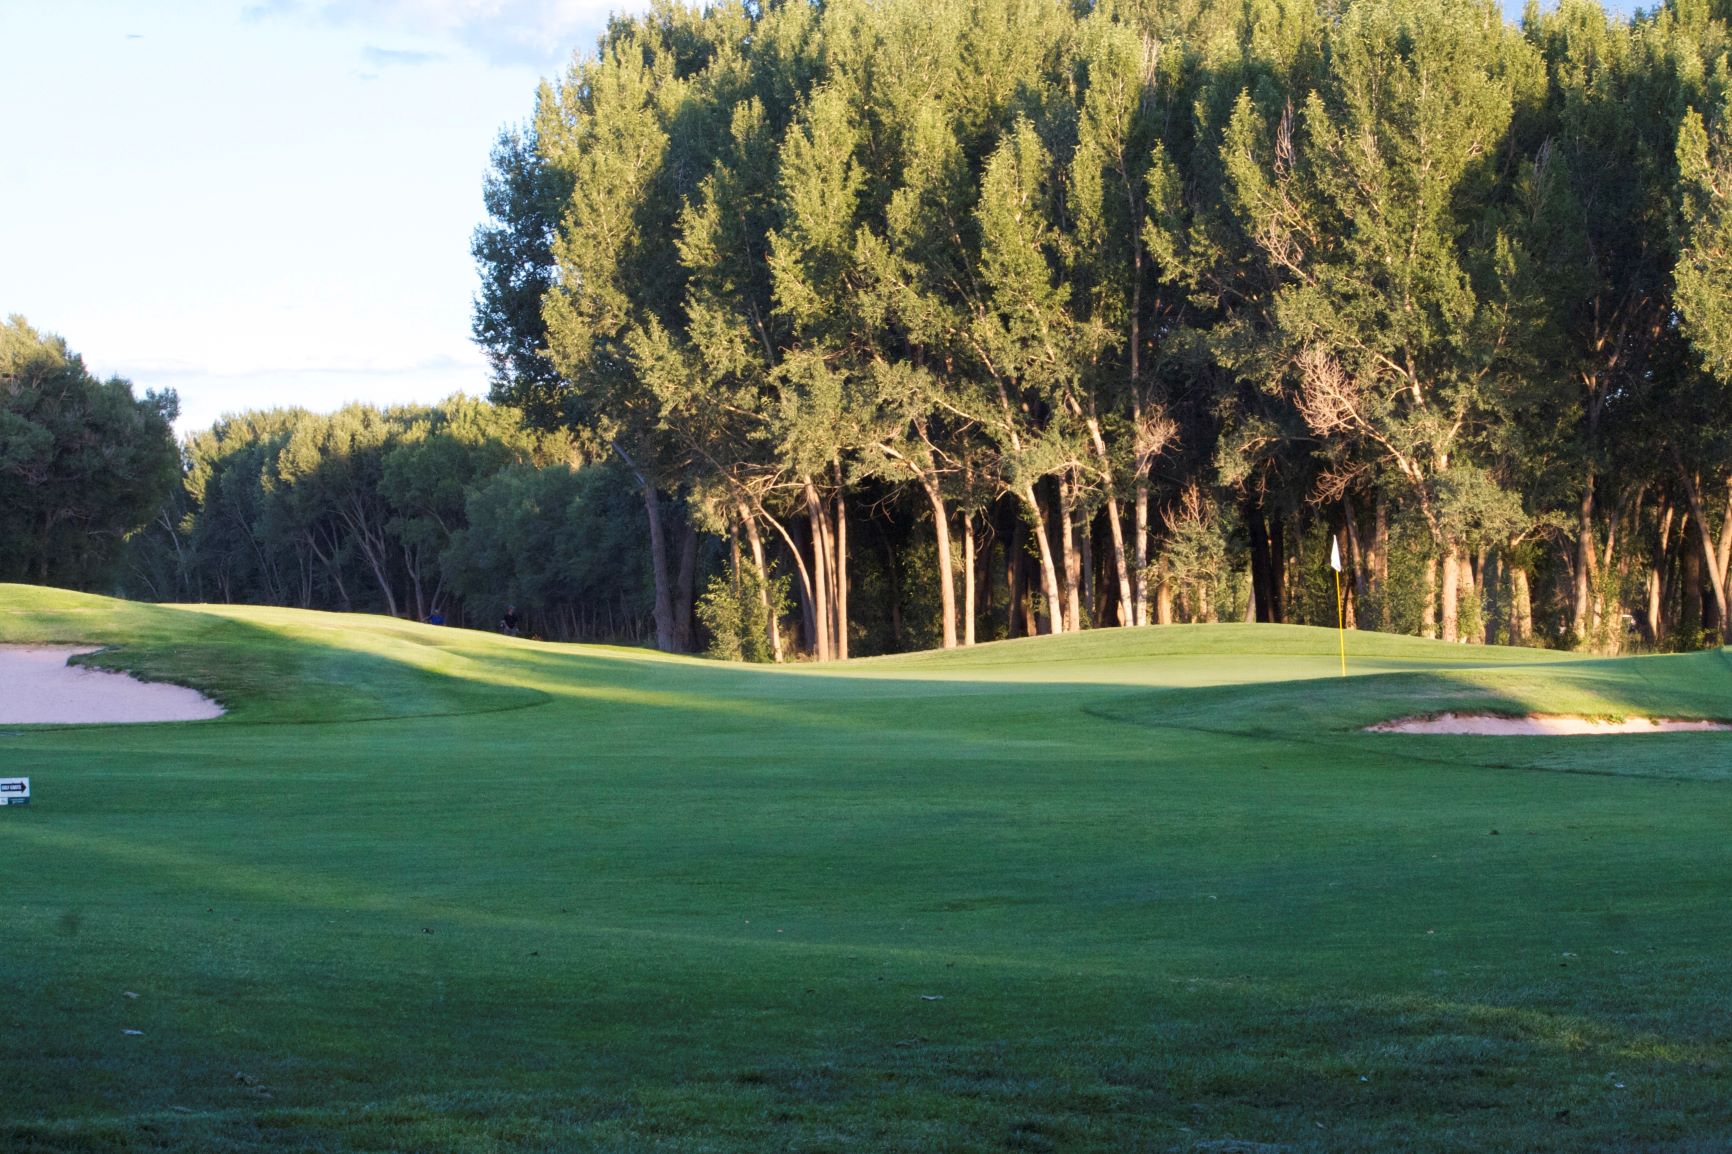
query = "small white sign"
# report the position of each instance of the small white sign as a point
(14, 791)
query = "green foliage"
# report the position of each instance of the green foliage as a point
(1198, 558)
(84, 463)
(849, 271)
(377, 510)
(1311, 597)
(1470, 614)
(514, 255)
(733, 610)
(1399, 605)
(1704, 270)
(561, 544)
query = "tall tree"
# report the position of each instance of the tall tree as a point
(1377, 202)
(605, 130)
(513, 251)
(83, 462)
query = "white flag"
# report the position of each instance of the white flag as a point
(1335, 553)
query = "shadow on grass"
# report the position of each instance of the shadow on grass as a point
(1336, 714)
(322, 669)
(273, 666)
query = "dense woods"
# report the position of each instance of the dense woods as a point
(1092, 316)
(881, 324)
(455, 510)
(83, 462)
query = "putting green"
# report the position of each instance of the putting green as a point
(428, 889)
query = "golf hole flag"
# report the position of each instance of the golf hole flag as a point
(1340, 615)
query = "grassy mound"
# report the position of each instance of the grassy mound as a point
(270, 665)
(1149, 889)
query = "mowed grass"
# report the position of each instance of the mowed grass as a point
(432, 890)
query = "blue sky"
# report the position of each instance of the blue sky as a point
(263, 203)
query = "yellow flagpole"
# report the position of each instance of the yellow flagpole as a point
(1340, 623)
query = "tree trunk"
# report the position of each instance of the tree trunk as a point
(1380, 560)
(1607, 620)
(1581, 605)
(1072, 559)
(1262, 572)
(1468, 587)
(984, 570)
(1428, 613)
(1690, 577)
(1164, 601)
(1493, 601)
(1656, 623)
(1521, 615)
(1127, 599)
(1710, 560)
(328, 560)
(806, 590)
(820, 574)
(377, 565)
(757, 545)
(1030, 619)
(1086, 547)
(967, 578)
(1451, 586)
(1048, 571)
(1141, 529)
(411, 562)
(1015, 594)
(685, 588)
(1277, 570)
(1357, 563)
(1723, 551)
(946, 562)
(841, 568)
(664, 603)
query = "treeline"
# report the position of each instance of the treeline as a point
(1126, 313)
(83, 462)
(455, 511)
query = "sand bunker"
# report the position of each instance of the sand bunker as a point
(1540, 725)
(37, 687)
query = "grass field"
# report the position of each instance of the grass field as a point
(432, 890)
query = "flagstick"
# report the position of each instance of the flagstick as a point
(1340, 623)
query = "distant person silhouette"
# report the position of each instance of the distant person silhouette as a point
(437, 617)
(508, 624)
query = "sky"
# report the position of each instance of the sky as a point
(264, 203)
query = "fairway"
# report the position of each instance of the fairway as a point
(1136, 889)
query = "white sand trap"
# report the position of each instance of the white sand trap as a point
(37, 687)
(1541, 725)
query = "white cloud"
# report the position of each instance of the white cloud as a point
(505, 32)
(398, 57)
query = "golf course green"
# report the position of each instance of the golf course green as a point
(426, 889)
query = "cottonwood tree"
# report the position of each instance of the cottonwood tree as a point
(605, 130)
(1375, 201)
(1704, 296)
(1347, 269)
